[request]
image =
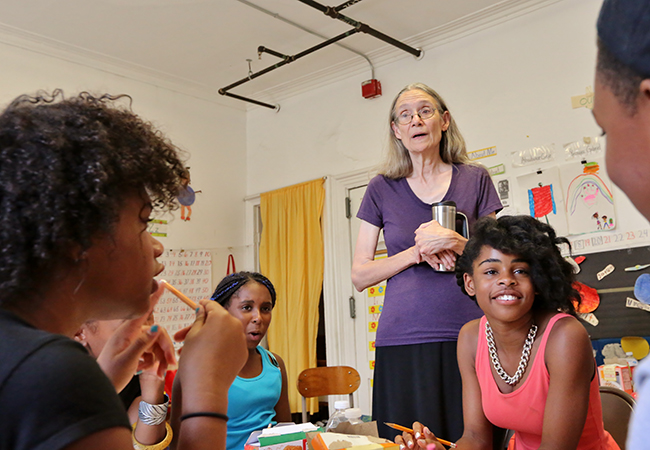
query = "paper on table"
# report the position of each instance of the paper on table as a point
(288, 428)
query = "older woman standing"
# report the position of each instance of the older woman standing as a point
(416, 373)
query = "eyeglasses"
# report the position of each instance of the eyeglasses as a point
(425, 113)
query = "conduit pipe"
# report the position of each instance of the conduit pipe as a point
(286, 59)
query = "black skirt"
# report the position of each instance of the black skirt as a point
(420, 383)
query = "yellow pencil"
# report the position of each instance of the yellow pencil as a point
(185, 299)
(409, 430)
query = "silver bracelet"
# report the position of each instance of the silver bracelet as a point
(153, 414)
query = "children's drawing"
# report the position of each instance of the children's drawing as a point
(543, 192)
(589, 199)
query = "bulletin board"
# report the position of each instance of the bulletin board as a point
(615, 318)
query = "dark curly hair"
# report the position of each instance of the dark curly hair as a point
(66, 167)
(229, 286)
(534, 242)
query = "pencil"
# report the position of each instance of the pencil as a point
(185, 299)
(409, 430)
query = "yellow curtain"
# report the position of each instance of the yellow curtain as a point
(291, 256)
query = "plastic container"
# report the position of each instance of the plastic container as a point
(632, 362)
(338, 415)
(353, 415)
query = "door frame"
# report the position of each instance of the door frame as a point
(337, 282)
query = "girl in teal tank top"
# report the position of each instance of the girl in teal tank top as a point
(258, 397)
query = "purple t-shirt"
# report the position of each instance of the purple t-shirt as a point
(420, 304)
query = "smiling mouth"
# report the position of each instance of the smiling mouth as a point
(506, 298)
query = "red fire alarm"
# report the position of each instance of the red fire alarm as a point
(371, 89)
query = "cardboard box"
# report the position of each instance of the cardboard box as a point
(616, 375)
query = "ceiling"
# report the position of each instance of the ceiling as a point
(201, 46)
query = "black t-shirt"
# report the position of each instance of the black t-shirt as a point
(52, 393)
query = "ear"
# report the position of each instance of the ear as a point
(396, 131)
(644, 88)
(446, 120)
(469, 284)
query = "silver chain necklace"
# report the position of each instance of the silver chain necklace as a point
(525, 354)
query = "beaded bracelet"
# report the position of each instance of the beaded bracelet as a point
(205, 414)
(153, 414)
(159, 446)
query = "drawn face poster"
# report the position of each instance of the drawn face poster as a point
(589, 200)
(543, 192)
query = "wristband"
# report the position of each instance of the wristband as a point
(205, 414)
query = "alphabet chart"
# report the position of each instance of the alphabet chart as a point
(189, 271)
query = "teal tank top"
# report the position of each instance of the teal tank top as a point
(251, 401)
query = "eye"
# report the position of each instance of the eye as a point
(403, 116)
(521, 271)
(267, 309)
(246, 308)
(490, 272)
(427, 111)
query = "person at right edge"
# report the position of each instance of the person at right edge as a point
(416, 372)
(622, 110)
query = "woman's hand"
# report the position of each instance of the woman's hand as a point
(419, 440)
(438, 245)
(135, 346)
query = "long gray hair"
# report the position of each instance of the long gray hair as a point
(397, 163)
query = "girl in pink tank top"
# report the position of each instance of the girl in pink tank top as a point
(527, 365)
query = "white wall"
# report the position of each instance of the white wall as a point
(213, 136)
(508, 86)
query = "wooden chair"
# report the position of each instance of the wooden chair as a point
(617, 409)
(333, 380)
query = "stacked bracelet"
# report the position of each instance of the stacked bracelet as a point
(153, 414)
(160, 445)
(205, 414)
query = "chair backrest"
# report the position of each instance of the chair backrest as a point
(617, 410)
(332, 380)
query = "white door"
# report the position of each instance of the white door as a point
(368, 307)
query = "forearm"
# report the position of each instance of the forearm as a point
(153, 394)
(201, 432)
(371, 272)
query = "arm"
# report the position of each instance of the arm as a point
(153, 392)
(477, 434)
(282, 409)
(571, 367)
(368, 272)
(214, 353)
(135, 346)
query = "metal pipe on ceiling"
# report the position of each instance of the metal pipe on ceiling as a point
(297, 25)
(286, 59)
(334, 14)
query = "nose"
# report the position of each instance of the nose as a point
(507, 279)
(413, 118)
(158, 247)
(256, 316)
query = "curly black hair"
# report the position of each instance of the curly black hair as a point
(66, 167)
(534, 242)
(229, 286)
